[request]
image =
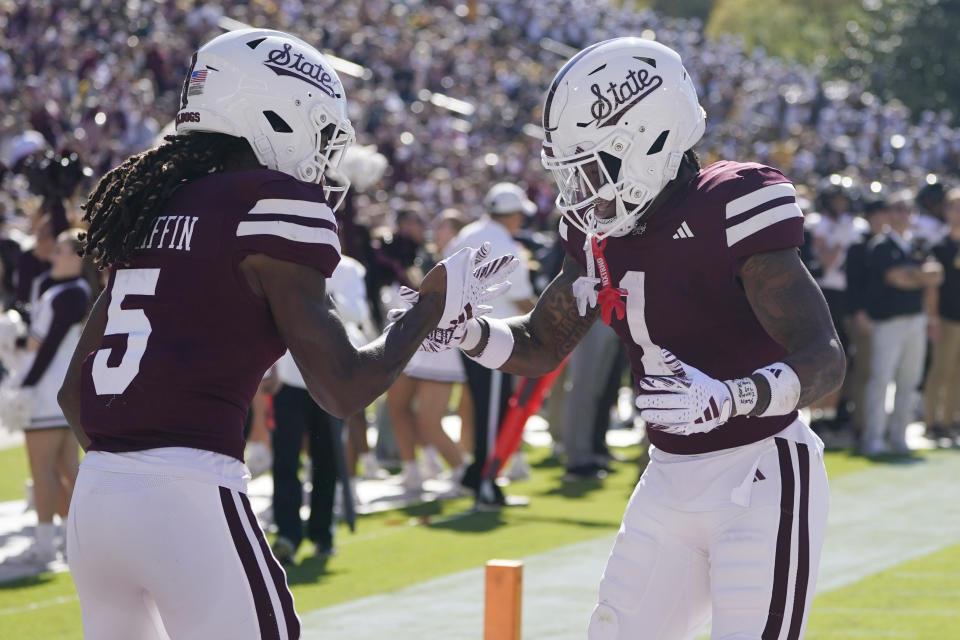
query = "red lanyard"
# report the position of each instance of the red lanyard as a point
(610, 297)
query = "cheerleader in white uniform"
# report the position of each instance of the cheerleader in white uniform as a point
(53, 450)
(418, 399)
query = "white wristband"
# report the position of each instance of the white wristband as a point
(784, 389)
(744, 394)
(499, 345)
(471, 335)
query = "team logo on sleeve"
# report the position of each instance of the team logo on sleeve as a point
(283, 62)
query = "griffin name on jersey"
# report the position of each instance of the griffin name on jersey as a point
(168, 372)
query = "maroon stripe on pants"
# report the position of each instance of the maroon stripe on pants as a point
(803, 544)
(781, 566)
(258, 587)
(276, 572)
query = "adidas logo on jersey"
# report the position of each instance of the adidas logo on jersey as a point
(683, 231)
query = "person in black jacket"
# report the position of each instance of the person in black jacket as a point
(942, 393)
(900, 270)
(858, 281)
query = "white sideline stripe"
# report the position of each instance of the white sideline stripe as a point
(33, 606)
(900, 612)
(563, 229)
(290, 231)
(747, 228)
(302, 208)
(560, 585)
(756, 198)
(262, 563)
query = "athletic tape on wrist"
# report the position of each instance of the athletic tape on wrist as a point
(784, 389)
(499, 346)
(744, 394)
(472, 334)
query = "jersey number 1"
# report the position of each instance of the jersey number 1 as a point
(134, 323)
(653, 364)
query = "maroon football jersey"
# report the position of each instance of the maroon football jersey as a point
(186, 341)
(683, 293)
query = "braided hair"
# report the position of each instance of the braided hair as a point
(127, 200)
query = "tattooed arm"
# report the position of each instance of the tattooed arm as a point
(791, 308)
(546, 335)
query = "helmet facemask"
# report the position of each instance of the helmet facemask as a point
(331, 140)
(595, 196)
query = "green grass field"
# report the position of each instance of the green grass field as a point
(916, 599)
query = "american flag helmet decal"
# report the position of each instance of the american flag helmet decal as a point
(197, 79)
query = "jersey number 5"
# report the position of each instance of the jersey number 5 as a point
(134, 323)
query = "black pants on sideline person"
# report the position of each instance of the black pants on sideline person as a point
(491, 393)
(297, 414)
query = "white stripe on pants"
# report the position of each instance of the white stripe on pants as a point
(897, 356)
(708, 536)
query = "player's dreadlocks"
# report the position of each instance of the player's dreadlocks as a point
(127, 200)
(692, 160)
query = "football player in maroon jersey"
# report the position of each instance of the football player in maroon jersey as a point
(219, 242)
(697, 270)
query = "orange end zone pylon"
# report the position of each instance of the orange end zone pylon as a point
(503, 602)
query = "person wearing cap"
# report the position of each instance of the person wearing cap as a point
(507, 208)
(901, 269)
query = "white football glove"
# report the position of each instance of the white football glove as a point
(471, 282)
(687, 402)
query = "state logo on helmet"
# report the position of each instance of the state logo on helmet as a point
(277, 92)
(617, 120)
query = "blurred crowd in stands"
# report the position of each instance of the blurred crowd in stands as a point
(445, 98)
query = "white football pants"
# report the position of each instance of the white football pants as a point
(156, 557)
(734, 534)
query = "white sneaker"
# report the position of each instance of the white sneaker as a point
(411, 480)
(430, 466)
(372, 470)
(35, 555)
(258, 457)
(520, 468)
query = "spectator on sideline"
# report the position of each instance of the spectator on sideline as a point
(929, 221)
(51, 447)
(419, 398)
(33, 266)
(347, 287)
(833, 229)
(858, 287)
(507, 208)
(942, 393)
(296, 415)
(590, 365)
(396, 260)
(900, 272)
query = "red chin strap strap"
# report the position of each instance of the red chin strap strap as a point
(609, 297)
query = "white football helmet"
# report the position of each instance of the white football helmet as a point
(617, 120)
(277, 92)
